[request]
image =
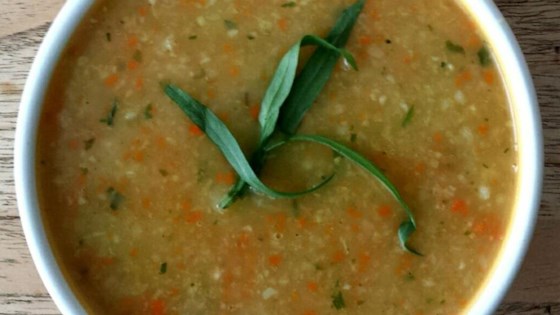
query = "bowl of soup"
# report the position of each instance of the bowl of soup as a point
(417, 131)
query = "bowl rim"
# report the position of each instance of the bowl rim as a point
(518, 84)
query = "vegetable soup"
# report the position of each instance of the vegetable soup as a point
(208, 157)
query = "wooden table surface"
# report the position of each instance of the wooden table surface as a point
(536, 23)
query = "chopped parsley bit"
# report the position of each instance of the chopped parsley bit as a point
(84, 170)
(455, 48)
(296, 211)
(353, 137)
(193, 37)
(148, 112)
(163, 268)
(163, 172)
(109, 120)
(484, 56)
(137, 55)
(230, 25)
(251, 37)
(409, 276)
(108, 36)
(467, 233)
(484, 165)
(443, 64)
(338, 301)
(115, 198)
(289, 4)
(408, 117)
(89, 143)
(506, 150)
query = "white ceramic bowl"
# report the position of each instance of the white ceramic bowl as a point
(527, 129)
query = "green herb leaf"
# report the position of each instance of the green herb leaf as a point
(283, 79)
(408, 117)
(289, 4)
(455, 48)
(108, 36)
(193, 37)
(484, 56)
(109, 120)
(408, 226)
(137, 55)
(317, 71)
(218, 133)
(148, 111)
(89, 143)
(115, 198)
(230, 25)
(304, 90)
(338, 301)
(163, 268)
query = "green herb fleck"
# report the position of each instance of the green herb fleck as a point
(408, 117)
(163, 268)
(110, 119)
(148, 111)
(289, 4)
(89, 143)
(353, 137)
(506, 150)
(193, 37)
(443, 64)
(84, 170)
(137, 56)
(455, 48)
(230, 25)
(467, 233)
(296, 211)
(338, 301)
(409, 276)
(250, 37)
(115, 198)
(163, 172)
(108, 36)
(484, 56)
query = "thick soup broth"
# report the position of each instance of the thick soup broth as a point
(129, 185)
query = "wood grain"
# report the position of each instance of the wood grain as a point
(536, 24)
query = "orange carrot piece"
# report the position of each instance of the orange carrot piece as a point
(275, 260)
(195, 130)
(459, 206)
(488, 76)
(312, 286)
(462, 78)
(146, 202)
(143, 10)
(384, 211)
(194, 216)
(139, 83)
(338, 256)
(482, 129)
(437, 137)
(132, 65)
(132, 41)
(353, 213)
(228, 48)
(254, 111)
(226, 178)
(365, 40)
(111, 80)
(282, 24)
(157, 307)
(234, 71)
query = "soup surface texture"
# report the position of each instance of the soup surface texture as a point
(129, 185)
